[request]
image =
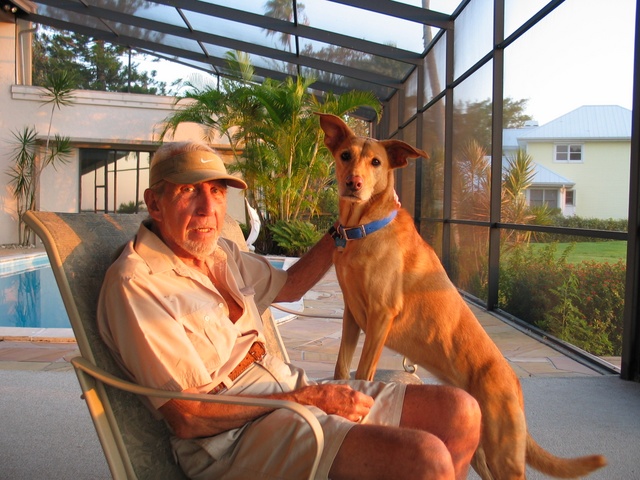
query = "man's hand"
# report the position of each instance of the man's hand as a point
(198, 419)
(336, 399)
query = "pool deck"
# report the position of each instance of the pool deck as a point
(571, 409)
(312, 343)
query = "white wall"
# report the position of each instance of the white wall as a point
(99, 119)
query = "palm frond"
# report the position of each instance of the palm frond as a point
(59, 88)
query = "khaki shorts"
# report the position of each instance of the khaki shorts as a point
(280, 445)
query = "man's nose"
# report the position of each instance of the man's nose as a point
(208, 203)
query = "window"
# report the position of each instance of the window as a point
(113, 180)
(570, 198)
(568, 153)
(542, 196)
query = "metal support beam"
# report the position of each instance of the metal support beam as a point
(630, 368)
(495, 213)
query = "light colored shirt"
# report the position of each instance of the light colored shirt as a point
(167, 324)
(169, 328)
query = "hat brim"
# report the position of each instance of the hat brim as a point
(199, 176)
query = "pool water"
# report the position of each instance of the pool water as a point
(29, 296)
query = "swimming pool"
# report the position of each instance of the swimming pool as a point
(31, 306)
(30, 303)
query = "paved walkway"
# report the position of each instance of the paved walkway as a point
(313, 343)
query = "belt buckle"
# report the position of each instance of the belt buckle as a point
(260, 353)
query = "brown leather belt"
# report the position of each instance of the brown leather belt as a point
(255, 354)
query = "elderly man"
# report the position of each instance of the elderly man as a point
(180, 309)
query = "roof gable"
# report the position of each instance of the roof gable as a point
(589, 122)
(543, 176)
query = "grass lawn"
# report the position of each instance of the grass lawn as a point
(596, 251)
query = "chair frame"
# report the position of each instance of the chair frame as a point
(95, 381)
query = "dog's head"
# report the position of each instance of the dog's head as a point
(363, 165)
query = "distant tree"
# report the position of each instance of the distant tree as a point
(473, 119)
(131, 207)
(95, 64)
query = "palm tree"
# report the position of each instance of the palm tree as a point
(517, 178)
(285, 10)
(29, 162)
(472, 178)
(273, 125)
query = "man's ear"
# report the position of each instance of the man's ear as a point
(335, 130)
(151, 200)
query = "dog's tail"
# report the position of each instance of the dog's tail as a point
(545, 462)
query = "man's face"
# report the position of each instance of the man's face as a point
(189, 217)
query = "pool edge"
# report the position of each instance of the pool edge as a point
(50, 335)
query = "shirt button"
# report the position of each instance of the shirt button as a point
(206, 318)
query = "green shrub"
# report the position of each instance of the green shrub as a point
(526, 277)
(294, 237)
(607, 224)
(568, 321)
(246, 229)
(130, 207)
(602, 300)
(580, 303)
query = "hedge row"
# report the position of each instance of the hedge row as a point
(606, 224)
(580, 303)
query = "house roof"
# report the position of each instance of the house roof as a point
(589, 122)
(510, 138)
(544, 177)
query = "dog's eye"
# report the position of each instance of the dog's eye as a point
(345, 155)
(376, 162)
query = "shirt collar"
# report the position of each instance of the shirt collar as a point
(160, 258)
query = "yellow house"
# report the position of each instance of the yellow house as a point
(582, 161)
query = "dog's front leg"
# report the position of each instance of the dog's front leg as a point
(375, 337)
(350, 335)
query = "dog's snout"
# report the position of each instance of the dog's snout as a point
(354, 182)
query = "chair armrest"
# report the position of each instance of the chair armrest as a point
(82, 364)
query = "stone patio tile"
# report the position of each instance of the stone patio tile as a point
(20, 365)
(307, 331)
(38, 353)
(520, 372)
(568, 364)
(537, 368)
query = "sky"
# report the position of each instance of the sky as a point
(576, 56)
(581, 54)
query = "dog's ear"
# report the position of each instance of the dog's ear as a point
(398, 152)
(335, 130)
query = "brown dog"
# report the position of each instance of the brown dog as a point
(396, 290)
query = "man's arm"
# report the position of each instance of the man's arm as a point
(307, 271)
(190, 419)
